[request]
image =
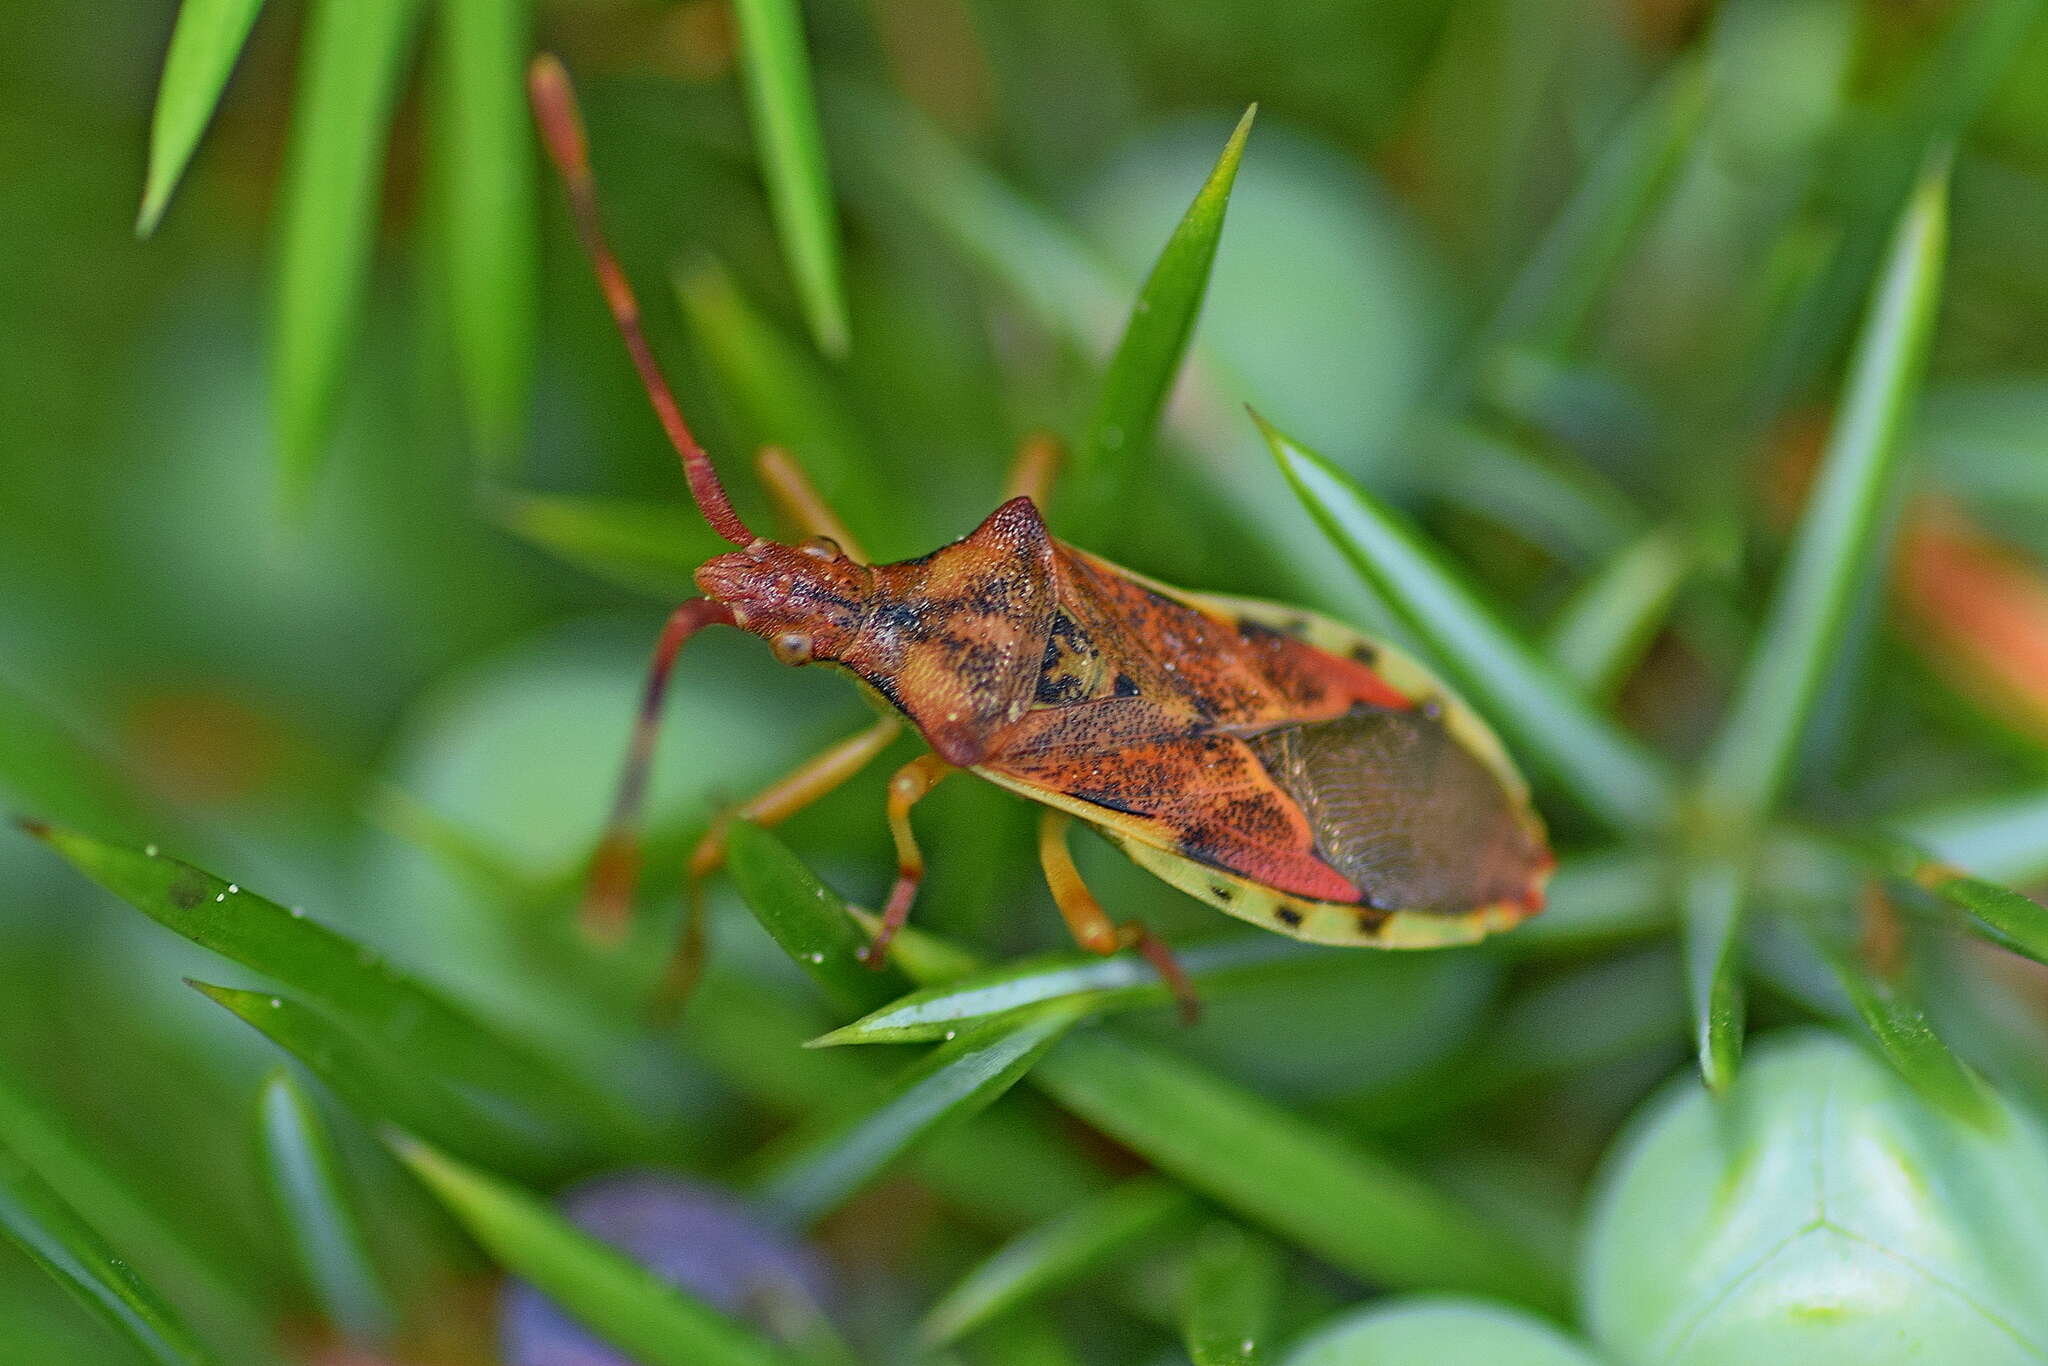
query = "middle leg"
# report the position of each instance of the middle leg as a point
(1091, 926)
(774, 804)
(906, 789)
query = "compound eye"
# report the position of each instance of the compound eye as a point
(792, 647)
(822, 548)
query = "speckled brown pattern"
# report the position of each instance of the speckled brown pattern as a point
(1309, 767)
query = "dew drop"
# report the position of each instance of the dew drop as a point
(150, 850)
(951, 1034)
(817, 958)
(276, 1004)
(232, 889)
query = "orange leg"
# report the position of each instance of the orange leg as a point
(773, 805)
(798, 499)
(608, 899)
(906, 789)
(1037, 464)
(1091, 926)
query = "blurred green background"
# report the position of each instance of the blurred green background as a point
(334, 531)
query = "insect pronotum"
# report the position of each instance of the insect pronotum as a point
(1273, 763)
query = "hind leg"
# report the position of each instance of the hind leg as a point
(1091, 926)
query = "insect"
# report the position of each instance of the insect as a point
(1271, 762)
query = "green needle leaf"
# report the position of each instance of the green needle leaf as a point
(209, 37)
(1603, 629)
(1057, 1253)
(782, 393)
(1555, 292)
(651, 547)
(1233, 1280)
(617, 1298)
(1891, 1008)
(1713, 897)
(785, 114)
(355, 55)
(212, 1275)
(384, 1085)
(387, 1008)
(1509, 681)
(312, 1195)
(807, 918)
(1839, 546)
(490, 230)
(37, 1220)
(1125, 981)
(955, 1080)
(1112, 452)
(1356, 1208)
(2016, 921)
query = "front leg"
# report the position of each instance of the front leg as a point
(906, 789)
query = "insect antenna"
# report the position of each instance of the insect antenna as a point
(561, 129)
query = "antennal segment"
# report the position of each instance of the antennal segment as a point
(561, 129)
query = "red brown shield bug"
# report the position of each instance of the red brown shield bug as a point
(1273, 763)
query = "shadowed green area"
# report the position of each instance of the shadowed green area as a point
(1671, 378)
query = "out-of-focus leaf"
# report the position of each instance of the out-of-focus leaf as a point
(1233, 1280)
(622, 1301)
(1511, 683)
(1023, 1340)
(380, 1084)
(1555, 293)
(386, 1007)
(1117, 440)
(1356, 1208)
(1600, 634)
(651, 547)
(1839, 543)
(783, 394)
(1442, 1331)
(39, 1222)
(957, 1079)
(317, 1211)
(807, 918)
(1595, 897)
(1006, 236)
(1821, 1211)
(1892, 1011)
(2016, 921)
(204, 46)
(216, 1286)
(1591, 1016)
(785, 114)
(1054, 1254)
(2002, 838)
(46, 765)
(1713, 896)
(355, 55)
(1121, 982)
(484, 161)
